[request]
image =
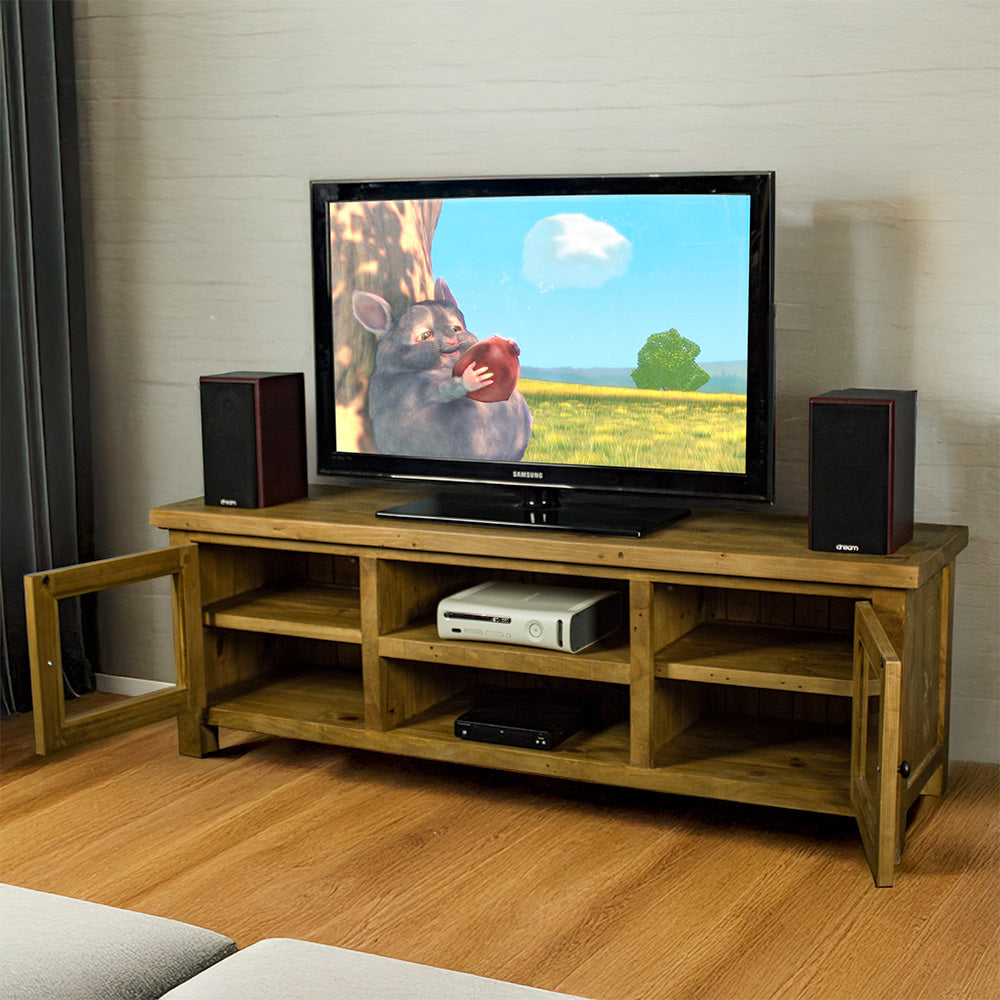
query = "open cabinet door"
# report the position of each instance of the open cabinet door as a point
(875, 742)
(44, 590)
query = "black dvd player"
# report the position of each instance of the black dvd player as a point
(535, 721)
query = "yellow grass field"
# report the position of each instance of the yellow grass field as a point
(638, 428)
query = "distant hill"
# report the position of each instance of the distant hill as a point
(726, 376)
(621, 377)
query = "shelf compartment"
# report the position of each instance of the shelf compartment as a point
(607, 745)
(764, 761)
(311, 704)
(309, 611)
(607, 660)
(328, 707)
(782, 659)
(771, 762)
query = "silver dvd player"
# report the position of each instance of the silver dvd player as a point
(563, 618)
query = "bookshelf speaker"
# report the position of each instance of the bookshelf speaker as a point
(253, 438)
(862, 445)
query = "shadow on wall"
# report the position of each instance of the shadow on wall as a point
(845, 279)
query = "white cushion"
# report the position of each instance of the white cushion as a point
(57, 948)
(302, 970)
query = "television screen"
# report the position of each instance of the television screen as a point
(576, 333)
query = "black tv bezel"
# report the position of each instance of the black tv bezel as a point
(754, 485)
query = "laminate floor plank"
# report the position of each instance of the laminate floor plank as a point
(603, 892)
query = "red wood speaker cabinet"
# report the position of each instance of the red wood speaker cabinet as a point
(253, 438)
(862, 447)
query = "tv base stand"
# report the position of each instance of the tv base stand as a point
(533, 511)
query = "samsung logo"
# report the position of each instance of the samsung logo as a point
(521, 474)
(848, 548)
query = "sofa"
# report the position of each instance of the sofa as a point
(57, 948)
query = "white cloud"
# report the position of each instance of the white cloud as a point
(574, 251)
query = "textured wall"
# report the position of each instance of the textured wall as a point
(204, 120)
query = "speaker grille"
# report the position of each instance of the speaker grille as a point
(850, 489)
(228, 441)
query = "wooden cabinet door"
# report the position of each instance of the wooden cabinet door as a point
(875, 742)
(44, 590)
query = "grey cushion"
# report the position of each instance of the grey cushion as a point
(300, 970)
(56, 948)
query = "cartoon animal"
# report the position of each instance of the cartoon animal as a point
(416, 404)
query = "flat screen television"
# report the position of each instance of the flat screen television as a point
(586, 354)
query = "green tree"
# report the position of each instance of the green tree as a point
(667, 361)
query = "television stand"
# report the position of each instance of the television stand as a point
(747, 667)
(539, 508)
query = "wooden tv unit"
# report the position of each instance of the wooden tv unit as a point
(748, 668)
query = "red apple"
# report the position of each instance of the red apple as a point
(500, 357)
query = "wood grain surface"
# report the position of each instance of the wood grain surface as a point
(607, 893)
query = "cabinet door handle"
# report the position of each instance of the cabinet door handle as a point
(904, 769)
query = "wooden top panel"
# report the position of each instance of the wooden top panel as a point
(724, 543)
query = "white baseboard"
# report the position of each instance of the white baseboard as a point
(130, 686)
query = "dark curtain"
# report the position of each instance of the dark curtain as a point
(46, 507)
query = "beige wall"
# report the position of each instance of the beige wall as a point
(204, 120)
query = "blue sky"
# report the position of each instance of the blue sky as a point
(600, 274)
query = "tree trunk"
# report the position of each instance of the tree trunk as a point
(380, 247)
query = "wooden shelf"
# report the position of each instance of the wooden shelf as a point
(771, 762)
(767, 762)
(760, 656)
(323, 705)
(727, 544)
(312, 611)
(605, 661)
(328, 707)
(608, 745)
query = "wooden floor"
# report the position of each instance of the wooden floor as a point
(593, 891)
